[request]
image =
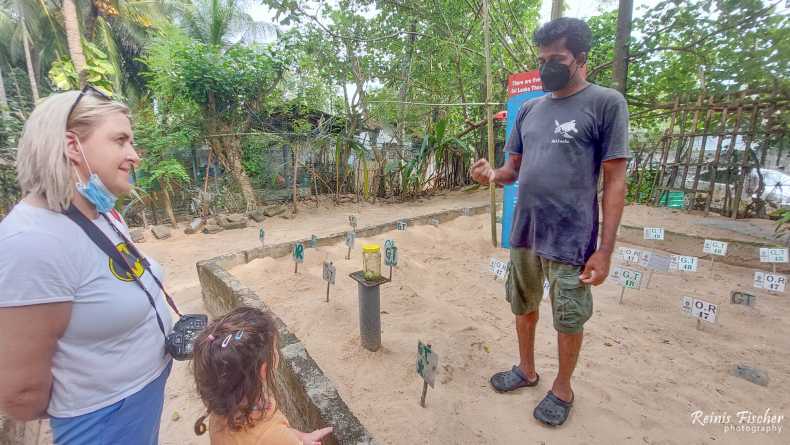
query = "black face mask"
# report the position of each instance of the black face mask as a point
(555, 75)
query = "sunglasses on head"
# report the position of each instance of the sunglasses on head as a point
(88, 89)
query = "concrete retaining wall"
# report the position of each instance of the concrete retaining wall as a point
(739, 253)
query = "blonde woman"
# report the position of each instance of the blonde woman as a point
(79, 340)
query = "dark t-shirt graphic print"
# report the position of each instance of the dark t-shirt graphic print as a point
(563, 142)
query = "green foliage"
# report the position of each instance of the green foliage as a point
(435, 144)
(167, 174)
(160, 140)
(604, 29)
(728, 45)
(257, 154)
(99, 69)
(783, 222)
(645, 190)
(223, 82)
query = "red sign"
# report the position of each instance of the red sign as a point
(526, 82)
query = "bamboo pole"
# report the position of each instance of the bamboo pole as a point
(771, 121)
(679, 146)
(714, 166)
(731, 148)
(744, 159)
(664, 154)
(694, 123)
(701, 158)
(490, 117)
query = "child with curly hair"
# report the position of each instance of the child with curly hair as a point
(234, 363)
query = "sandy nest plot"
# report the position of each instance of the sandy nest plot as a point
(644, 367)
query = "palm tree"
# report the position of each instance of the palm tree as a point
(74, 38)
(13, 14)
(25, 22)
(28, 61)
(217, 22)
(5, 35)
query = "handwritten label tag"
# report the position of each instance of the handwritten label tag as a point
(654, 233)
(769, 281)
(627, 278)
(298, 253)
(773, 255)
(629, 254)
(391, 256)
(714, 247)
(684, 263)
(427, 363)
(498, 267)
(329, 272)
(350, 238)
(401, 225)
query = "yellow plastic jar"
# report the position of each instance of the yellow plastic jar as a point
(371, 261)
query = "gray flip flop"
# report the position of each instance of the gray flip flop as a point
(512, 380)
(552, 410)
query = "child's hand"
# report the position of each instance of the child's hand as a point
(315, 437)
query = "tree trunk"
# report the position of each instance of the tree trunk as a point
(489, 116)
(404, 86)
(227, 149)
(461, 83)
(4, 109)
(556, 9)
(19, 111)
(31, 73)
(74, 39)
(620, 65)
(168, 204)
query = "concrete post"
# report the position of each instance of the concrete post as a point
(369, 316)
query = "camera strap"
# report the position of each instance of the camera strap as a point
(106, 245)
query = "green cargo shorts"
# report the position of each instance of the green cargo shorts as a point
(571, 300)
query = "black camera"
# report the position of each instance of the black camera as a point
(180, 343)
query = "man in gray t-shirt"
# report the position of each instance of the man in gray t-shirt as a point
(559, 144)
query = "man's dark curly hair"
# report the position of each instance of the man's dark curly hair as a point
(576, 32)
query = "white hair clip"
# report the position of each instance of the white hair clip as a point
(227, 340)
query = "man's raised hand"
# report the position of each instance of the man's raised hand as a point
(482, 172)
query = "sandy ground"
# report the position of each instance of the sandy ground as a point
(644, 367)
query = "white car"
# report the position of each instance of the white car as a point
(776, 189)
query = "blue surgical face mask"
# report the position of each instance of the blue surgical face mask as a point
(94, 190)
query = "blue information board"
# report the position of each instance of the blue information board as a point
(521, 88)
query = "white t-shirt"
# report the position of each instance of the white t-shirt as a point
(112, 346)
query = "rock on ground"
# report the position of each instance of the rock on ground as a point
(194, 226)
(161, 232)
(274, 210)
(257, 215)
(229, 222)
(137, 234)
(754, 375)
(212, 228)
